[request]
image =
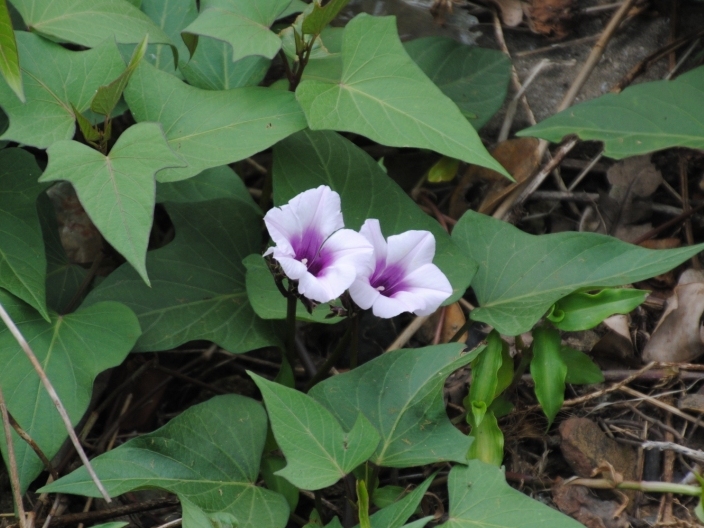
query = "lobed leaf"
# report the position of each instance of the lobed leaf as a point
(521, 276)
(208, 456)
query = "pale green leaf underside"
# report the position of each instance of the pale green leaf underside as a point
(73, 349)
(89, 22)
(9, 58)
(520, 275)
(400, 393)
(54, 79)
(309, 159)
(481, 498)
(208, 455)
(643, 118)
(198, 280)
(318, 451)
(476, 79)
(22, 261)
(211, 128)
(384, 95)
(117, 191)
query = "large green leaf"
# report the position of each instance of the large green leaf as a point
(481, 498)
(211, 184)
(475, 78)
(310, 159)
(401, 395)
(171, 16)
(54, 79)
(89, 22)
(198, 280)
(212, 68)
(318, 451)
(211, 128)
(73, 349)
(117, 191)
(520, 276)
(208, 456)
(643, 118)
(22, 260)
(384, 95)
(241, 23)
(9, 58)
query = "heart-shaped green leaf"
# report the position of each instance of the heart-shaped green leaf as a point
(548, 370)
(584, 310)
(481, 498)
(521, 276)
(241, 23)
(22, 259)
(208, 456)
(117, 191)
(89, 22)
(475, 78)
(73, 349)
(384, 95)
(198, 280)
(211, 128)
(51, 86)
(171, 16)
(9, 58)
(309, 159)
(318, 451)
(401, 395)
(643, 118)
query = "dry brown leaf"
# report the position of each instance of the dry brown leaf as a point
(511, 12)
(616, 346)
(551, 18)
(518, 156)
(578, 503)
(453, 321)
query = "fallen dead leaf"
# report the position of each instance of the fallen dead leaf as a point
(453, 321)
(511, 11)
(578, 503)
(551, 18)
(615, 348)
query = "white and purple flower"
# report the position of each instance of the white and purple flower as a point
(401, 277)
(313, 248)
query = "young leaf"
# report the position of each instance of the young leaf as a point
(315, 22)
(481, 498)
(396, 514)
(9, 58)
(476, 79)
(90, 133)
(401, 395)
(488, 445)
(107, 96)
(211, 128)
(444, 170)
(521, 276)
(643, 118)
(363, 505)
(198, 289)
(73, 349)
(89, 22)
(117, 191)
(318, 451)
(241, 23)
(22, 260)
(383, 95)
(52, 87)
(548, 370)
(267, 300)
(584, 310)
(309, 159)
(484, 376)
(208, 456)
(581, 370)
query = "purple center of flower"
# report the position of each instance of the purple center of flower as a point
(388, 280)
(309, 249)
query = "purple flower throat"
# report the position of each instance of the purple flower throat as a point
(309, 250)
(388, 280)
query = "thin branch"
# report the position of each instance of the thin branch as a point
(408, 332)
(12, 462)
(37, 450)
(54, 398)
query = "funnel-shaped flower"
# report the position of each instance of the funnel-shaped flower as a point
(313, 248)
(402, 276)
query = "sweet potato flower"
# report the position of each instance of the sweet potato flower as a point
(313, 248)
(401, 277)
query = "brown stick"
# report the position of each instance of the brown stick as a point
(54, 398)
(672, 222)
(37, 450)
(12, 462)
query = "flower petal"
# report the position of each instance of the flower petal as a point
(427, 288)
(363, 294)
(411, 249)
(388, 307)
(294, 269)
(371, 230)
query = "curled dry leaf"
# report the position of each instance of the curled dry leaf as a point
(518, 156)
(679, 337)
(551, 18)
(511, 11)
